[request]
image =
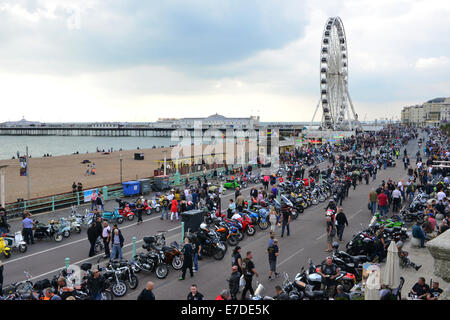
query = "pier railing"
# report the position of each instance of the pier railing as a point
(66, 200)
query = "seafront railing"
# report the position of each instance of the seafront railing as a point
(66, 200)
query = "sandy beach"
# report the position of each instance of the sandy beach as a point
(55, 175)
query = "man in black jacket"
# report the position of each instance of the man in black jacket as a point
(96, 285)
(341, 220)
(234, 282)
(92, 237)
(188, 253)
(147, 294)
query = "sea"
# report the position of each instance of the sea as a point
(66, 145)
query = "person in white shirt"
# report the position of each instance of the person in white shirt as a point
(397, 198)
(441, 195)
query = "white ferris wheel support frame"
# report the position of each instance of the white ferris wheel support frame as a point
(334, 96)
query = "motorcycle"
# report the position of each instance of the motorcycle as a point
(106, 294)
(16, 241)
(152, 261)
(259, 217)
(172, 253)
(212, 247)
(50, 231)
(124, 273)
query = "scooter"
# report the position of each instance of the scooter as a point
(16, 241)
(115, 215)
(64, 227)
(4, 248)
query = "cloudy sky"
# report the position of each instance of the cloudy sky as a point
(134, 60)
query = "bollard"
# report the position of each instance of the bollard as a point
(134, 247)
(67, 262)
(53, 203)
(105, 193)
(182, 232)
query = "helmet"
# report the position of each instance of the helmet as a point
(203, 226)
(335, 245)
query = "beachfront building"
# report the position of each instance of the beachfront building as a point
(434, 112)
(214, 121)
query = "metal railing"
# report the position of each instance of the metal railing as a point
(66, 200)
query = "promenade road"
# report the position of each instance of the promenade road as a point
(307, 240)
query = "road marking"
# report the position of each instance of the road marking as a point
(96, 256)
(70, 243)
(291, 256)
(358, 212)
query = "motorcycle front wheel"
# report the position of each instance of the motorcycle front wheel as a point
(58, 237)
(162, 271)
(250, 231)
(300, 209)
(177, 262)
(131, 217)
(158, 209)
(78, 229)
(66, 234)
(23, 248)
(7, 254)
(119, 288)
(219, 254)
(119, 220)
(106, 295)
(263, 225)
(134, 282)
(232, 240)
(240, 235)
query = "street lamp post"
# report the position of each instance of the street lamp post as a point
(2, 172)
(120, 168)
(165, 164)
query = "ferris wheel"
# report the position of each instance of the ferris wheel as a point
(334, 97)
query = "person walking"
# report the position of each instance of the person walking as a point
(100, 202)
(341, 221)
(94, 200)
(194, 295)
(92, 237)
(147, 293)
(187, 258)
(373, 201)
(396, 199)
(174, 209)
(28, 228)
(382, 203)
(272, 218)
(233, 282)
(236, 259)
(331, 232)
(286, 217)
(273, 252)
(165, 207)
(106, 235)
(248, 267)
(4, 226)
(88, 171)
(117, 244)
(139, 210)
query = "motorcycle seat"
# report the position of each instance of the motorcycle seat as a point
(86, 266)
(118, 264)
